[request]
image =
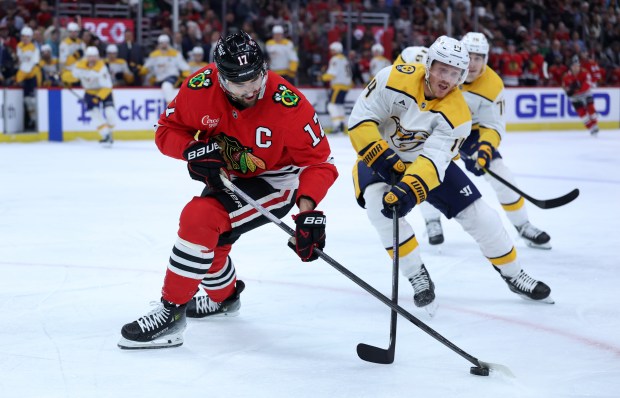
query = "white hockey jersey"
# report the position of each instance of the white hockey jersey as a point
(282, 57)
(69, 52)
(96, 80)
(425, 133)
(377, 63)
(28, 56)
(339, 73)
(485, 98)
(164, 64)
(119, 66)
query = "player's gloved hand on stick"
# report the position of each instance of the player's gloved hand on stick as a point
(484, 155)
(309, 234)
(406, 194)
(383, 160)
(205, 162)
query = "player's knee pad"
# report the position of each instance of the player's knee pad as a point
(97, 118)
(483, 224)
(110, 115)
(203, 220)
(168, 89)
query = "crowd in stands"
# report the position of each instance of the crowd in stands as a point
(532, 41)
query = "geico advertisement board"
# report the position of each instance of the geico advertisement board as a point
(552, 105)
(136, 109)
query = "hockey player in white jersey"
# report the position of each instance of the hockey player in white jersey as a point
(338, 75)
(484, 92)
(167, 65)
(71, 48)
(412, 55)
(95, 78)
(29, 73)
(283, 58)
(378, 61)
(410, 121)
(119, 70)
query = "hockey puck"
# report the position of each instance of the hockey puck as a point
(478, 371)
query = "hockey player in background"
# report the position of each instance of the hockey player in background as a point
(71, 48)
(577, 83)
(167, 65)
(196, 59)
(338, 75)
(484, 93)
(119, 70)
(49, 67)
(28, 74)
(92, 73)
(282, 55)
(410, 122)
(237, 116)
(378, 61)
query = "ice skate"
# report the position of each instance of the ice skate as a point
(106, 141)
(435, 232)
(424, 291)
(534, 237)
(527, 287)
(203, 306)
(594, 131)
(161, 328)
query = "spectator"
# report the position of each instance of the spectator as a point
(511, 65)
(133, 53)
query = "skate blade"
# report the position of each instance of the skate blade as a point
(218, 315)
(544, 246)
(431, 309)
(546, 300)
(171, 341)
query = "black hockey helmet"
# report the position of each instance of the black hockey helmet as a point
(239, 58)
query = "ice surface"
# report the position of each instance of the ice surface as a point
(85, 234)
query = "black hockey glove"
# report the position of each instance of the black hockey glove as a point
(406, 194)
(383, 160)
(204, 163)
(484, 155)
(309, 234)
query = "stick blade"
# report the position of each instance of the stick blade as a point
(497, 368)
(374, 354)
(561, 201)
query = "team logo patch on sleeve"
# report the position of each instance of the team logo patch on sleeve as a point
(201, 80)
(407, 69)
(238, 157)
(285, 96)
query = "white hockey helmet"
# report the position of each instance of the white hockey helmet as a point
(197, 50)
(91, 52)
(450, 52)
(277, 29)
(476, 43)
(26, 31)
(336, 46)
(163, 39)
(73, 27)
(415, 54)
(111, 48)
(46, 48)
(377, 49)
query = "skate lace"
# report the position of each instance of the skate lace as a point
(155, 318)
(420, 282)
(530, 231)
(524, 282)
(434, 228)
(205, 305)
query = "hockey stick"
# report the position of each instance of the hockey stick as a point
(371, 353)
(542, 203)
(481, 368)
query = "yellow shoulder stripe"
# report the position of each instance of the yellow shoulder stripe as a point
(364, 134)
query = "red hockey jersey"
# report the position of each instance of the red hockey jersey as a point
(577, 84)
(280, 136)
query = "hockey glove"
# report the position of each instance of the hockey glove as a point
(204, 163)
(484, 155)
(383, 160)
(406, 194)
(309, 234)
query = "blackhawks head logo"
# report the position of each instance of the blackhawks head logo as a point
(201, 80)
(238, 157)
(285, 96)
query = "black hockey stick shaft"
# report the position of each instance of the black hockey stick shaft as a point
(542, 203)
(372, 353)
(361, 283)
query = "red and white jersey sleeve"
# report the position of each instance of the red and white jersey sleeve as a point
(280, 138)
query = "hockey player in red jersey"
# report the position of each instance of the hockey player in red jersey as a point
(577, 83)
(236, 116)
